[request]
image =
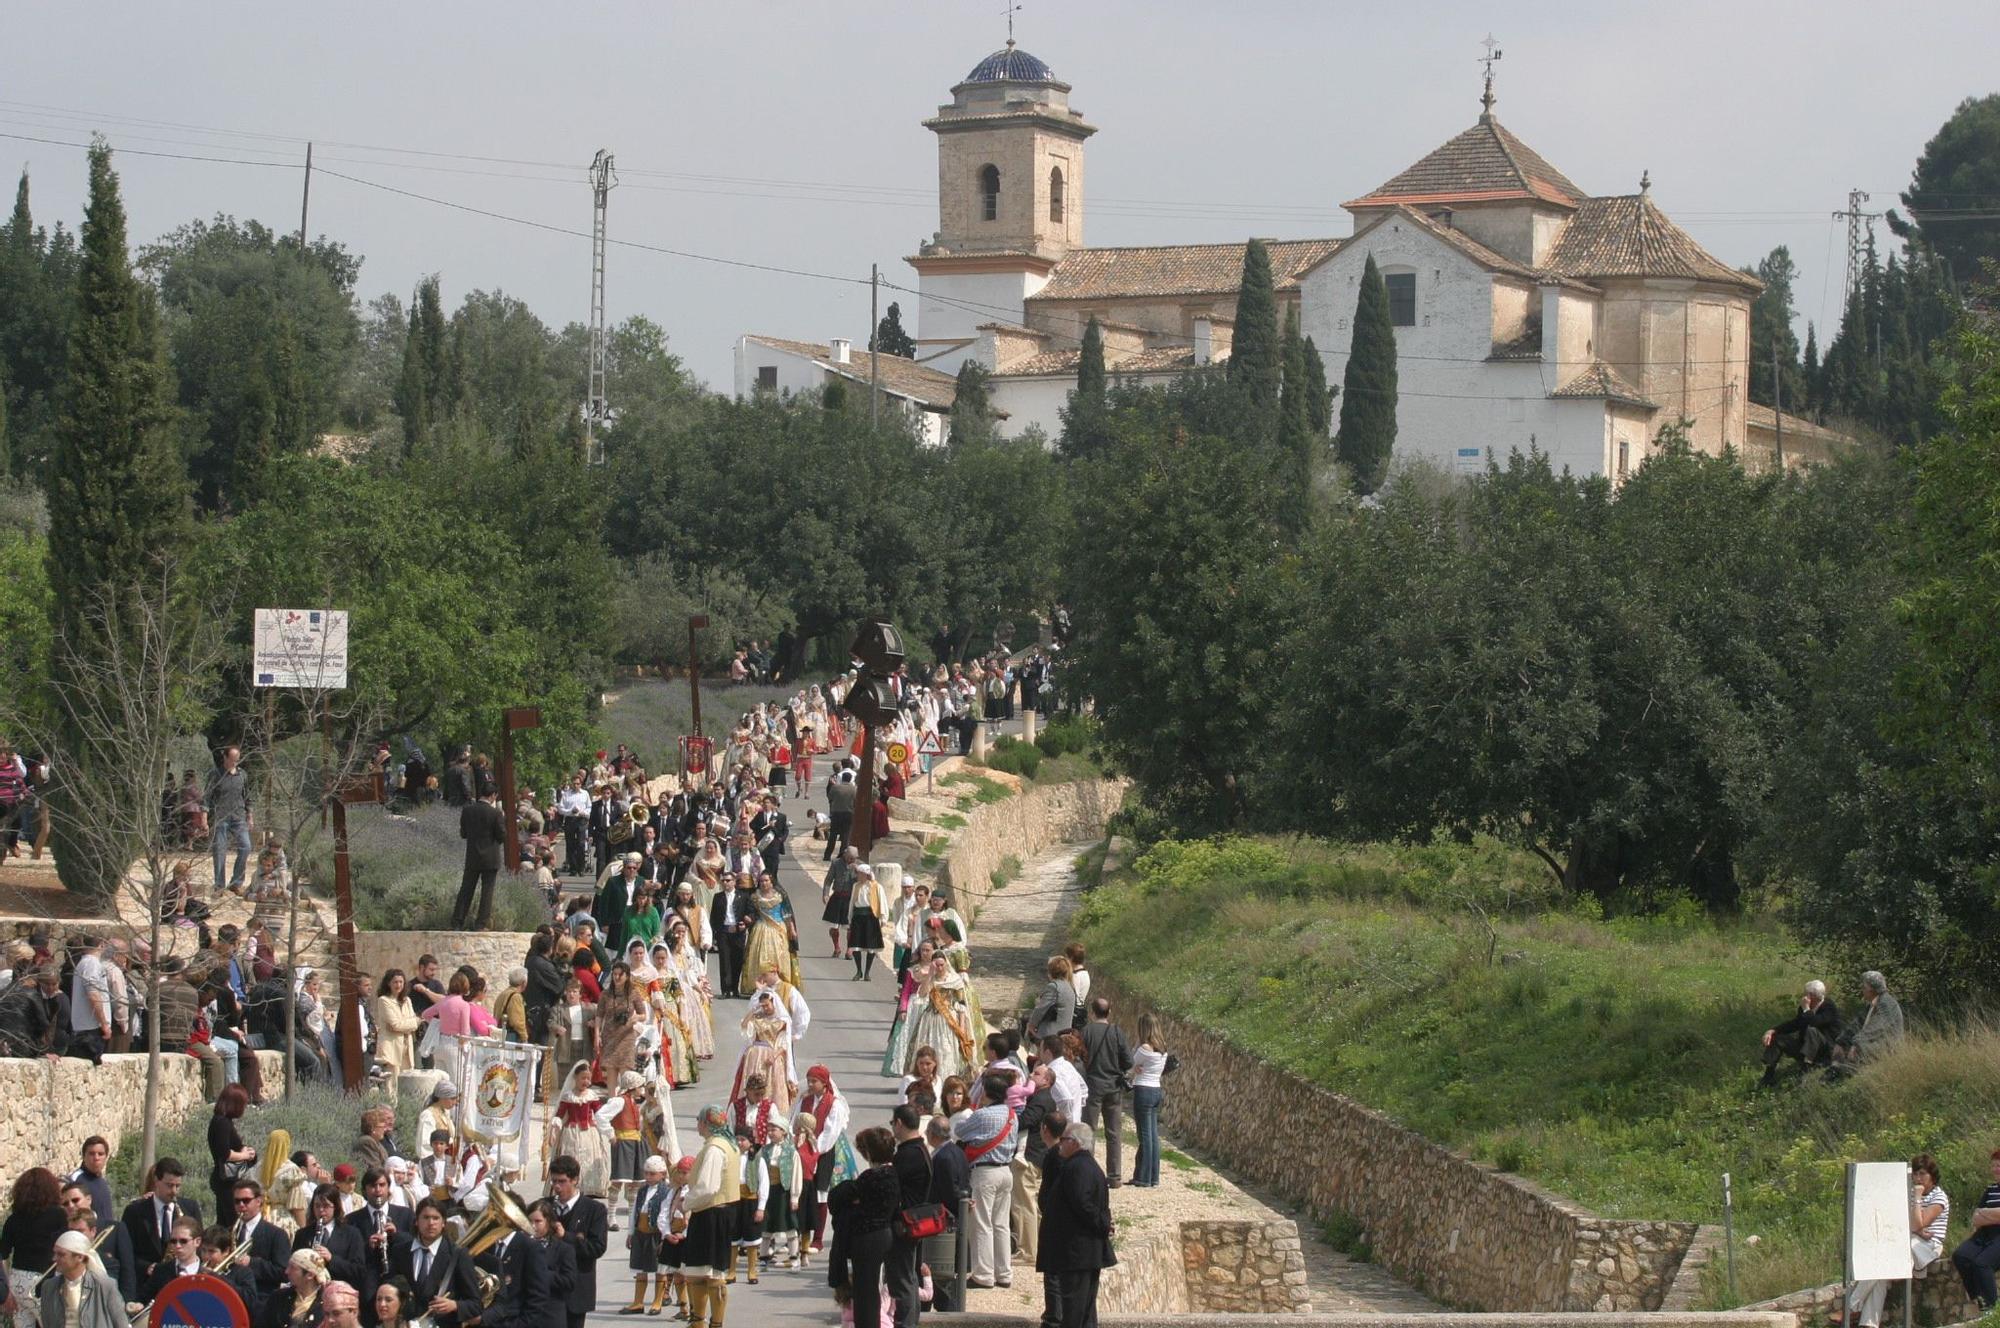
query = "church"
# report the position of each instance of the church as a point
(1528, 312)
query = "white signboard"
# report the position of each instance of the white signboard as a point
(1878, 1221)
(300, 648)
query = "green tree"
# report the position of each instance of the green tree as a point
(37, 308)
(1954, 189)
(424, 389)
(1809, 377)
(1368, 392)
(1298, 450)
(1085, 417)
(1255, 354)
(1177, 600)
(1771, 331)
(1319, 396)
(971, 405)
(890, 338)
(117, 489)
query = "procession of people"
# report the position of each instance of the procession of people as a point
(617, 999)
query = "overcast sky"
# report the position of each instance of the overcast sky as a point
(787, 133)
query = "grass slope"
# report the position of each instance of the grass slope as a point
(1610, 1060)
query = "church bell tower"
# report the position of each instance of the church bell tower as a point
(1010, 197)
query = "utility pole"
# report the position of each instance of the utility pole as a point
(305, 198)
(1856, 220)
(874, 328)
(596, 408)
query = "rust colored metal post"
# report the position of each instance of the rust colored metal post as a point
(862, 835)
(695, 624)
(521, 717)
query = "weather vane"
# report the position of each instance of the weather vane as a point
(1493, 52)
(1013, 8)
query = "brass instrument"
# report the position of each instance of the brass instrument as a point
(501, 1213)
(146, 1310)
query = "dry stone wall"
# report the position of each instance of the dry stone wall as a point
(1040, 818)
(1209, 1268)
(493, 953)
(1461, 1232)
(53, 1106)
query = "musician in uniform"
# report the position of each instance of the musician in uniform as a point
(327, 1233)
(437, 1173)
(522, 1296)
(440, 1272)
(185, 1258)
(268, 1247)
(584, 1229)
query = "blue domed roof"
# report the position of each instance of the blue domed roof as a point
(1011, 64)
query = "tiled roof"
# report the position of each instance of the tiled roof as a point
(903, 377)
(1485, 162)
(1165, 359)
(1175, 269)
(1763, 417)
(1628, 236)
(1527, 346)
(1601, 380)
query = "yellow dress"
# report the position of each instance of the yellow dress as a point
(769, 944)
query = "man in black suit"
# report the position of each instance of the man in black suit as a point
(378, 1222)
(269, 1251)
(586, 1229)
(729, 917)
(184, 1259)
(438, 1269)
(912, 1166)
(618, 894)
(523, 1299)
(951, 1181)
(150, 1217)
(484, 831)
(1077, 1227)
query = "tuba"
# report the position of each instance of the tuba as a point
(502, 1212)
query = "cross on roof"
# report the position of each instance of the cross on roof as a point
(1493, 52)
(1013, 7)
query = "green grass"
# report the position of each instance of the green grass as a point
(1178, 1160)
(1069, 768)
(949, 821)
(406, 872)
(1013, 756)
(1612, 1061)
(1008, 871)
(1090, 865)
(979, 789)
(649, 715)
(1345, 1234)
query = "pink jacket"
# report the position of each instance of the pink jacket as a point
(458, 1016)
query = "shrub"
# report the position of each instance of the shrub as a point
(406, 870)
(1015, 757)
(1067, 733)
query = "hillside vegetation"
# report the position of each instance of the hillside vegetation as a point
(1611, 1060)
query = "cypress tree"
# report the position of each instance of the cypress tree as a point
(117, 496)
(1254, 352)
(971, 408)
(890, 338)
(413, 387)
(1085, 418)
(1368, 396)
(1319, 396)
(1297, 456)
(1810, 406)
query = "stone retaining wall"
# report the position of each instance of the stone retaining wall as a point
(1039, 818)
(53, 1106)
(1459, 1231)
(1941, 1298)
(493, 953)
(1221, 1267)
(1628, 1319)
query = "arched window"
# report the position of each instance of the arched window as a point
(1055, 193)
(989, 193)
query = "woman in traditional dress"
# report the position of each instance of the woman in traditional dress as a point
(943, 1019)
(867, 909)
(773, 940)
(769, 1054)
(708, 867)
(621, 1011)
(898, 1053)
(677, 1039)
(581, 1134)
(960, 960)
(693, 918)
(692, 994)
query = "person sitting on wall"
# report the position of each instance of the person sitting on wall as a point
(1808, 1037)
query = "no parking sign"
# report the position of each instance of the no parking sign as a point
(199, 1300)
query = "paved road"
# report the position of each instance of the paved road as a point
(850, 1027)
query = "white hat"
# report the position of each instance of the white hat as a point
(630, 1080)
(633, 859)
(863, 869)
(73, 1242)
(656, 1163)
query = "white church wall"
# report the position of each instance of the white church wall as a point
(1031, 401)
(952, 305)
(795, 373)
(1453, 403)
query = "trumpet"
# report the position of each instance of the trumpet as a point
(146, 1310)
